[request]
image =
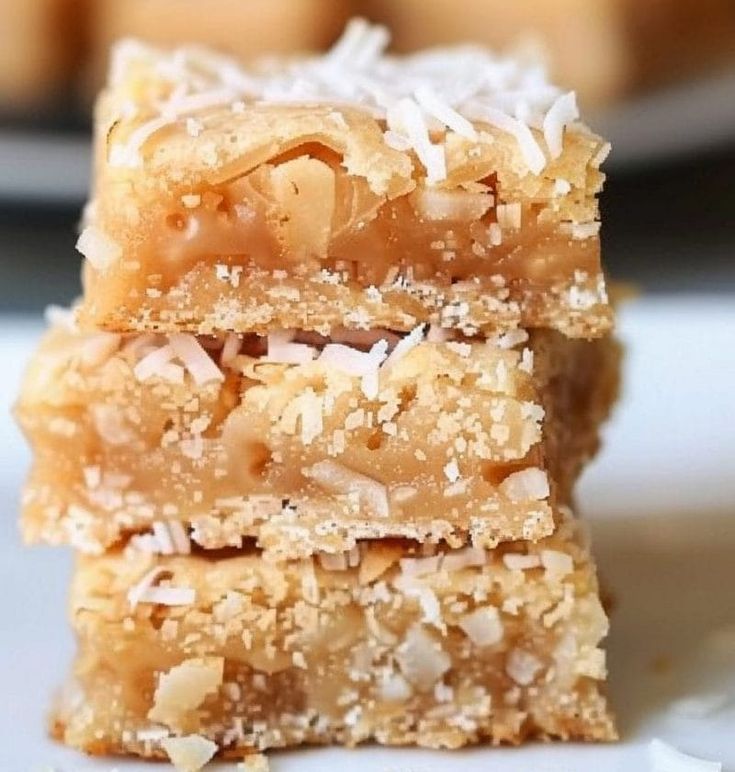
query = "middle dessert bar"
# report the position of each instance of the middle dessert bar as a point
(392, 642)
(307, 443)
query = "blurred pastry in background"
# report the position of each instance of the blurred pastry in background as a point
(244, 28)
(41, 42)
(605, 49)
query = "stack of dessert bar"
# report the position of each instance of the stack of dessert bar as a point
(314, 427)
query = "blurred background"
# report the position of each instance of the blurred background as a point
(657, 77)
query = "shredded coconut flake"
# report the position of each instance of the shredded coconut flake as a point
(338, 478)
(153, 365)
(101, 251)
(415, 567)
(421, 659)
(145, 591)
(451, 470)
(190, 753)
(558, 563)
(167, 538)
(196, 360)
(522, 666)
(467, 557)
(281, 349)
(560, 115)
(364, 365)
(169, 596)
(406, 118)
(127, 154)
(396, 141)
(135, 593)
(230, 349)
(530, 484)
(529, 147)
(403, 346)
(483, 626)
(516, 562)
(394, 688)
(440, 109)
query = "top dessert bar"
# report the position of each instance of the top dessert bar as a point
(352, 189)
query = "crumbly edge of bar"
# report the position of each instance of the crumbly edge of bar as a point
(578, 309)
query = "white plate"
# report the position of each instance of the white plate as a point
(660, 502)
(678, 120)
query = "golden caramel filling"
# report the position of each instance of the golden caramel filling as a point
(304, 215)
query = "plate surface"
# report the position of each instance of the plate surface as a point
(661, 504)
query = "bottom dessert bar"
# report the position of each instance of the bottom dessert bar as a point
(392, 642)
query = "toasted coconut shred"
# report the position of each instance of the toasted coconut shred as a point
(146, 591)
(419, 97)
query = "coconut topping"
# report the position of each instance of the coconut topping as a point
(522, 666)
(145, 591)
(364, 365)
(528, 484)
(190, 753)
(421, 659)
(195, 358)
(184, 688)
(420, 98)
(101, 251)
(167, 538)
(282, 349)
(483, 626)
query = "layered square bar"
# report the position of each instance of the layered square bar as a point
(349, 190)
(306, 442)
(391, 642)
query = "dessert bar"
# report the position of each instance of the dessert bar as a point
(352, 189)
(304, 442)
(392, 642)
